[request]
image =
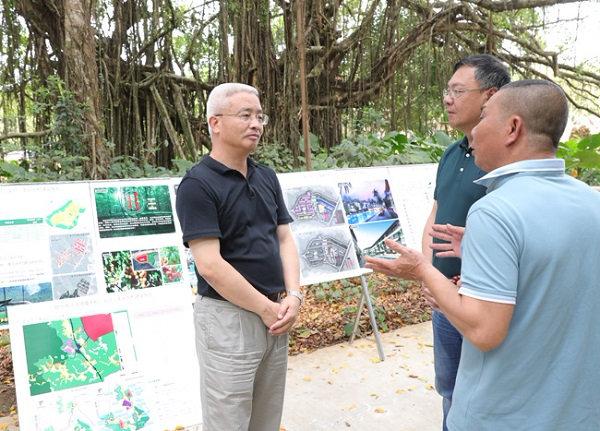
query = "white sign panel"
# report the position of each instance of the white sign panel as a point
(121, 361)
(48, 243)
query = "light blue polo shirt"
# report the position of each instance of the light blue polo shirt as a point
(533, 241)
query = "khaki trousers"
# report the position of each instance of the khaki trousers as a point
(242, 368)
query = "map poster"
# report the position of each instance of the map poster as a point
(47, 237)
(314, 207)
(124, 361)
(131, 210)
(325, 252)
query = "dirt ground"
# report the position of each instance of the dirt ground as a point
(7, 383)
(326, 318)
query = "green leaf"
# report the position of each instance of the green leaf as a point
(589, 159)
(348, 327)
(442, 138)
(12, 170)
(589, 142)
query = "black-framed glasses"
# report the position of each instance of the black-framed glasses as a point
(457, 93)
(247, 117)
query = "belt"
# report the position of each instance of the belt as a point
(275, 297)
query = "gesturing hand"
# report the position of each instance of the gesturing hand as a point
(407, 265)
(450, 233)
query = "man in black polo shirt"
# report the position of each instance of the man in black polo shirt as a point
(235, 222)
(476, 78)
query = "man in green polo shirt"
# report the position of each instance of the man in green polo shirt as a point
(476, 78)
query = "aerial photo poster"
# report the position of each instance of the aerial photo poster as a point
(124, 361)
(48, 244)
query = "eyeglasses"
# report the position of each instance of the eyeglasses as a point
(457, 93)
(247, 117)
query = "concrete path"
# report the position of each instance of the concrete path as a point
(345, 387)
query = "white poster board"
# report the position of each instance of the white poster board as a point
(370, 204)
(138, 240)
(115, 351)
(48, 243)
(64, 240)
(121, 361)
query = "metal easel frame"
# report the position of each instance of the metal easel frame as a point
(366, 298)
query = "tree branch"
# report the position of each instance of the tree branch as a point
(25, 134)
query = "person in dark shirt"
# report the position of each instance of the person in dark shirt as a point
(476, 78)
(235, 222)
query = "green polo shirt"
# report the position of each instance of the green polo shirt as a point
(454, 193)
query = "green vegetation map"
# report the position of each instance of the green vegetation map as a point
(124, 410)
(61, 355)
(65, 217)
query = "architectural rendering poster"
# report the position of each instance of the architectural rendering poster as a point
(124, 361)
(371, 212)
(133, 209)
(314, 207)
(48, 243)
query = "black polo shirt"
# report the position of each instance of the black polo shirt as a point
(455, 192)
(216, 201)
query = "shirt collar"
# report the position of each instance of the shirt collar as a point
(222, 169)
(464, 143)
(543, 167)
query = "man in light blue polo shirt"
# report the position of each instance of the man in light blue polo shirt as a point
(529, 303)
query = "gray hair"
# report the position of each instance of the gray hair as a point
(489, 71)
(218, 99)
(542, 105)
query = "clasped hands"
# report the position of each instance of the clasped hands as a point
(280, 317)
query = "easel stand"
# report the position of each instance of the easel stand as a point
(366, 297)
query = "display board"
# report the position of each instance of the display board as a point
(124, 361)
(117, 352)
(139, 243)
(338, 213)
(64, 240)
(48, 243)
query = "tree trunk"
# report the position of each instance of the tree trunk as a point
(81, 75)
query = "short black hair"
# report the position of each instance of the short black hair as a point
(542, 105)
(490, 72)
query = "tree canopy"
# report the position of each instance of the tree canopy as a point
(94, 82)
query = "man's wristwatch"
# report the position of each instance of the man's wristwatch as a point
(297, 294)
